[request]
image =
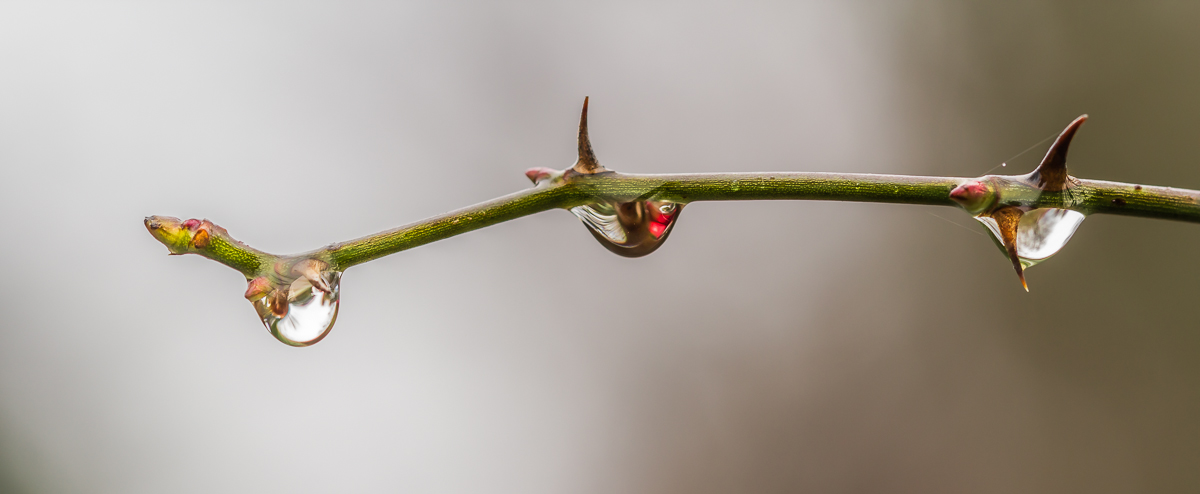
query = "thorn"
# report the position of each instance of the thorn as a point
(587, 163)
(1051, 174)
(1007, 219)
(310, 269)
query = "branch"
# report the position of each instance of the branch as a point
(632, 214)
(1089, 197)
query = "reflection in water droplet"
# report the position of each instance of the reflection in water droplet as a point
(310, 312)
(630, 229)
(1040, 234)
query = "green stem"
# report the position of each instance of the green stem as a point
(1087, 196)
(510, 207)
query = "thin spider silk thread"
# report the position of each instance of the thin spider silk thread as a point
(1022, 153)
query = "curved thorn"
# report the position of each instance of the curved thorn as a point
(1051, 174)
(1007, 219)
(1020, 270)
(587, 162)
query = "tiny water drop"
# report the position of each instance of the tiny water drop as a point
(630, 229)
(306, 314)
(1041, 233)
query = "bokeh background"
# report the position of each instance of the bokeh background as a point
(768, 347)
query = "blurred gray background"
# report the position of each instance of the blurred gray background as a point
(768, 347)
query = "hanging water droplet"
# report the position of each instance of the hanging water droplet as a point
(1041, 233)
(304, 314)
(630, 229)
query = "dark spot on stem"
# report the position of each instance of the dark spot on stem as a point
(1118, 201)
(1137, 187)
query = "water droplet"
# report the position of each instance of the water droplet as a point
(1041, 233)
(630, 229)
(306, 315)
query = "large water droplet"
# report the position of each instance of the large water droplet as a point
(1041, 233)
(630, 229)
(309, 314)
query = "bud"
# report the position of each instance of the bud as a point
(537, 175)
(973, 195)
(258, 288)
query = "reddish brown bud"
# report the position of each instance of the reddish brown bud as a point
(200, 239)
(538, 174)
(973, 195)
(257, 288)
